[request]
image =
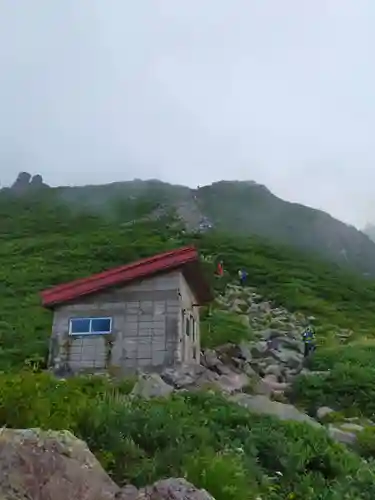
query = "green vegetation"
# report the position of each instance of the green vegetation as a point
(349, 385)
(289, 278)
(346, 387)
(234, 454)
(43, 243)
(221, 327)
(217, 445)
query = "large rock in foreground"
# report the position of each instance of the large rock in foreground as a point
(49, 465)
(55, 465)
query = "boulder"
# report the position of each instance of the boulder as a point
(323, 412)
(151, 386)
(210, 359)
(174, 489)
(192, 377)
(342, 436)
(351, 427)
(264, 406)
(55, 465)
(232, 382)
(269, 384)
(129, 492)
(259, 349)
(188, 377)
(244, 351)
(288, 357)
(50, 465)
(274, 369)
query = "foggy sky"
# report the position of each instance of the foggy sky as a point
(277, 91)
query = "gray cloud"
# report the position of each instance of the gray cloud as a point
(193, 92)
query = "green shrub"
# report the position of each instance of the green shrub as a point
(347, 388)
(354, 355)
(223, 474)
(366, 442)
(44, 401)
(215, 444)
(222, 327)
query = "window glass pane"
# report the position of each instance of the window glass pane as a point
(79, 325)
(101, 325)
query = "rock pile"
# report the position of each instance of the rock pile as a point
(265, 364)
(256, 372)
(275, 353)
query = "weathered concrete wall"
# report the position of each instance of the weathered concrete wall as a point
(147, 327)
(190, 348)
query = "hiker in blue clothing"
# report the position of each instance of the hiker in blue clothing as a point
(242, 275)
(308, 337)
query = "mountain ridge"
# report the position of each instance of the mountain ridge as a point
(235, 207)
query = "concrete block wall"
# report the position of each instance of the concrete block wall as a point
(190, 347)
(146, 329)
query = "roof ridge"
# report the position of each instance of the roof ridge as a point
(117, 269)
(147, 266)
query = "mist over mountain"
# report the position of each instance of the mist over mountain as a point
(233, 207)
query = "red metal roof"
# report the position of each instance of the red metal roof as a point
(186, 258)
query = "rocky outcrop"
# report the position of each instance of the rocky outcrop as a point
(26, 182)
(50, 465)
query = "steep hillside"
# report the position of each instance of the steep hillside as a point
(248, 208)
(237, 208)
(225, 445)
(369, 230)
(43, 243)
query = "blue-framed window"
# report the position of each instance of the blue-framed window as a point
(90, 326)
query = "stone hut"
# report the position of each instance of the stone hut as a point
(144, 315)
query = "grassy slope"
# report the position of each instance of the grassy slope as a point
(42, 244)
(217, 445)
(244, 208)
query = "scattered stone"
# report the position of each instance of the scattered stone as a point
(264, 406)
(210, 359)
(351, 427)
(151, 386)
(190, 377)
(276, 370)
(174, 489)
(128, 492)
(344, 437)
(323, 412)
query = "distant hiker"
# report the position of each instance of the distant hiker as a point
(308, 337)
(242, 275)
(220, 268)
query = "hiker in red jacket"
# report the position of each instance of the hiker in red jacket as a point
(220, 268)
